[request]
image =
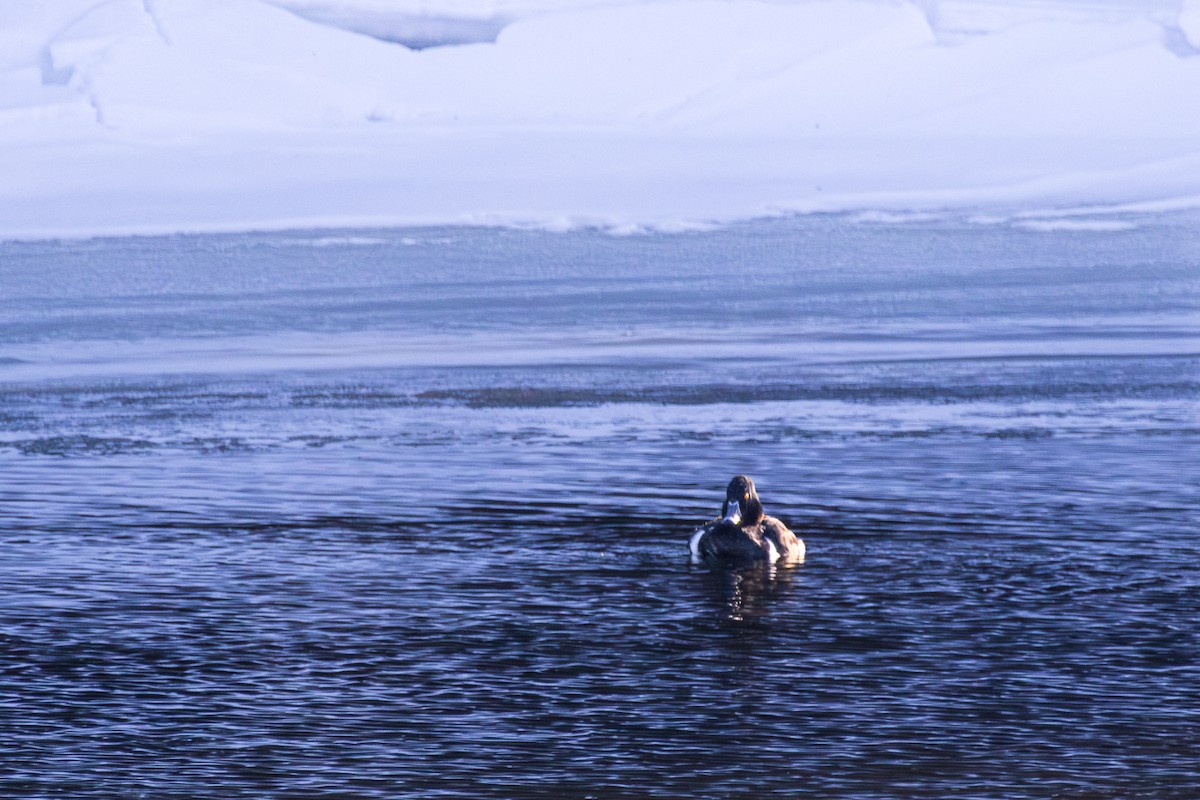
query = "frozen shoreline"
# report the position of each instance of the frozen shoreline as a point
(238, 115)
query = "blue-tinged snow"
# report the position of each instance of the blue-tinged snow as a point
(125, 116)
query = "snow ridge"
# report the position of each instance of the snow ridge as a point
(149, 6)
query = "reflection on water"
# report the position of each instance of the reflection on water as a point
(407, 516)
(746, 596)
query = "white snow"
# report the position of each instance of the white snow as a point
(1189, 24)
(123, 116)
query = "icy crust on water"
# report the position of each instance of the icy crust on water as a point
(124, 116)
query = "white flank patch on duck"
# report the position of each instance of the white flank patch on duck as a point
(772, 552)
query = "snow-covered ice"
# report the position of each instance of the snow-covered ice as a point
(121, 116)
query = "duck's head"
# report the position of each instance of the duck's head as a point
(742, 506)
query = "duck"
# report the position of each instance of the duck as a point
(744, 535)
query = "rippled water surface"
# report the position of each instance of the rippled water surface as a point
(403, 513)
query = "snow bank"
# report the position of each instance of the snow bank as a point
(1189, 25)
(156, 115)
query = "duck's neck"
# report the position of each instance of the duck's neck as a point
(754, 513)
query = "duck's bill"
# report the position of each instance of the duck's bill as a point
(735, 514)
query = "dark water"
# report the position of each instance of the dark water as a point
(403, 514)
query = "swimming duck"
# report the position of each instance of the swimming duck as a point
(744, 534)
